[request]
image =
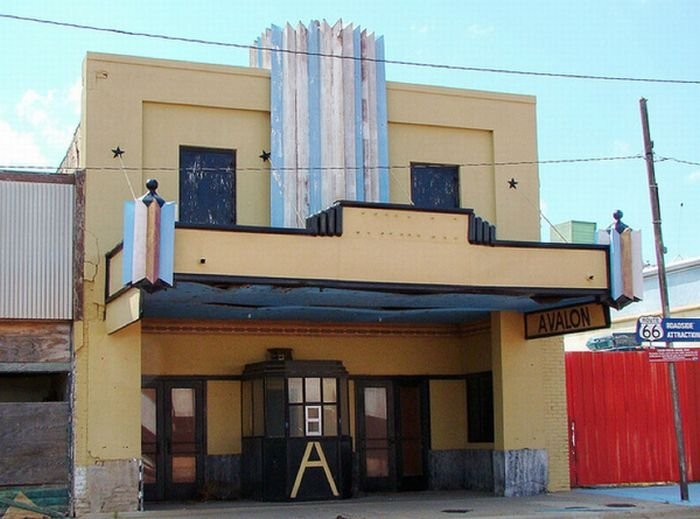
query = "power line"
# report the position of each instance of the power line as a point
(335, 168)
(679, 161)
(463, 68)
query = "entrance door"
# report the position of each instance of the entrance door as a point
(392, 434)
(172, 439)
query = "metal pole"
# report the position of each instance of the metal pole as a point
(663, 290)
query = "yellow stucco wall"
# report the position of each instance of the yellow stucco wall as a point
(519, 410)
(223, 417)
(448, 414)
(165, 354)
(107, 414)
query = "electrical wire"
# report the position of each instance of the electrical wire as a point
(341, 168)
(465, 68)
(679, 161)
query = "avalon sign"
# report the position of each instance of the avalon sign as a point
(569, 319)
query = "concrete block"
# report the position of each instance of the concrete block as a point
(106, 486)
(446, 469)
(520, 472)
(478, 469)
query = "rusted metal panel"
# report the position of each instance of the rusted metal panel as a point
(36, 248)
(26, 341)
(34, 439)
(621, 422)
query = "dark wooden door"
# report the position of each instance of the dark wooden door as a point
(411, 434)
(392, 434)
(172, 439)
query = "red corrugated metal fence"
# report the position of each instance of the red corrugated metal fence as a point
(621, 422)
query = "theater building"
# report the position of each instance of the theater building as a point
(352, 297)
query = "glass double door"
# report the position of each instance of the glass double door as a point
(392, 434)
(172, 439)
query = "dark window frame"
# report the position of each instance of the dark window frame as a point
(480, 415)
(452, 169)
(186, 214)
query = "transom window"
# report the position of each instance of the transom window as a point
(313, 406)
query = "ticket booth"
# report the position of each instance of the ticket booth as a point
(296, 430)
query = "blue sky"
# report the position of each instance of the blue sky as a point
(41, 64)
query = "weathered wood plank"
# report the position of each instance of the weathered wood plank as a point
(349, 112)
(371, 151)
(302, 121)
(34, 367)
(34, 439)
(289, 129)
(326, 80)
(25, 341)
(337, 114)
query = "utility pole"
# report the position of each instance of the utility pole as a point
(663, 290)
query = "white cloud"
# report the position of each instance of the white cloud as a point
(45, 122)
(476, 31)
(42, 114)
(422, 28)
(621, 148)
(75, 95)
(694, 177)
(19, 148)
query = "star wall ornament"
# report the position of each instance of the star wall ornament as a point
(265, 156)
(512, 184)
(118, 152)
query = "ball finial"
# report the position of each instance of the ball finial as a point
(152, 184)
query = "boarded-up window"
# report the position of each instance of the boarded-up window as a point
(480, 407)
(34, 439)
(207, 186)
(434, 186)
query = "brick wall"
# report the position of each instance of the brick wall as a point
(556, 421)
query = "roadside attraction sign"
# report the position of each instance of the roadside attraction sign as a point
(653, 328)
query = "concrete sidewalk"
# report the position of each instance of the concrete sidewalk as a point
(423, 505)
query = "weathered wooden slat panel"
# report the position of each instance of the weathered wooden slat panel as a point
(277, 129)
(329, 111)
(382, 123)
(289, 129)
(25, 341)
(337, 174)
(349, 112)
(326, 80)
(302, 122)
(34, 440)
(369, 126)
(314, 85)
